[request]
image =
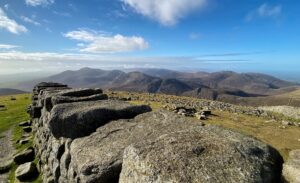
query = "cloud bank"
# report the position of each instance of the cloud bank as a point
(8, 46)
(166, 12)
(98, 42)
(10, 24)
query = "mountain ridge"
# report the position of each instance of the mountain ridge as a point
(223, 85)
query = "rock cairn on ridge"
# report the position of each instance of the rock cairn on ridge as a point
(81, 136)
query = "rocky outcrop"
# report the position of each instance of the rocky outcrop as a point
(291, 169)
(199, 154)
(81, 136)
(61, 114)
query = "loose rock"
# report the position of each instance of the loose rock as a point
(26, 171)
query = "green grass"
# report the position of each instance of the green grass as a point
(15, 111)
(10, 117)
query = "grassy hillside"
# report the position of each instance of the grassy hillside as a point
(14, 110)
(11, 115)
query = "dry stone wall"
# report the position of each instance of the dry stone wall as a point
(82, 137)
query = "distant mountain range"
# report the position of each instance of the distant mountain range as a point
(225, 86)
(9, 91)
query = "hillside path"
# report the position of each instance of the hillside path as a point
(6, 151)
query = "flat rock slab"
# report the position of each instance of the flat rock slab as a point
(163, 147)
(291, 169)
(73, 120)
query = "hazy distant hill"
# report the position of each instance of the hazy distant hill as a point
(226, 86)
(9, 91)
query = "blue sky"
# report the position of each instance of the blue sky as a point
(211, 35)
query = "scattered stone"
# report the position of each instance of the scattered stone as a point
(24, 141)
(206, 112)
(26, 171)
(27, 129)
(200, 116)
(25, 156)
(286, 123)
(291, 169)
(25, 123)
(5, 166)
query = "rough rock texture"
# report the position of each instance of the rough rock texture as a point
(60, 114)
(83, 118)
(82, 138)
(291, 169)
(26, 171)
(207, 154)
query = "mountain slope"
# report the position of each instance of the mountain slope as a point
(225, 86)
(9, 91)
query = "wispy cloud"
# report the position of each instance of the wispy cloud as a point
(63, 14)
(195, 36)
(99, 42)
(165, 12)
(10, 24)
(29, 20)
(8, 46)
(39, 2)
(265, 11)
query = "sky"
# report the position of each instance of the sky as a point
(207, 35)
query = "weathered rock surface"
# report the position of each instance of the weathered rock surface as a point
(82, 138)
(83, 118)
(109, 142)
(26, 171)
(291, 169)
(207, 154)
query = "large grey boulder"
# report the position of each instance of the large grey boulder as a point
(79, 119)
(162, 147)
(98, 157)
(26, 171)
(291, 169)
(208, 154)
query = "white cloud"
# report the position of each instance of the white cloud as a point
(29, 20)
(99, 42)
(167, 12)
(264, 11)
(8, 46)
(10, 24)
(39, 2)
